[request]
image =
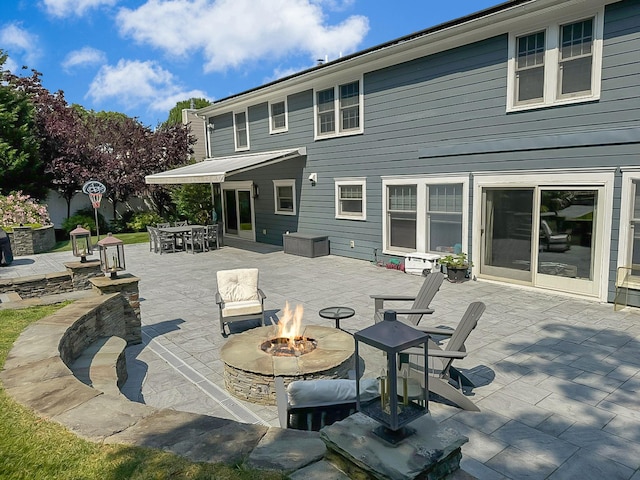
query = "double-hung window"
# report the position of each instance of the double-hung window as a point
(351, 198)
(241, 131)
(284, 192)
(338, 110)
(402, 210)
(425, 214)
(556, 64)
(278, 117)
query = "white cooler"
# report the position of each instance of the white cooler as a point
(417, 263)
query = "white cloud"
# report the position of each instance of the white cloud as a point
(86, 56)
(231, 33)
(133, 83)
(63, 8)
(16, 40)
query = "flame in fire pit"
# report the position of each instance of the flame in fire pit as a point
(289, 340)
(290, 325)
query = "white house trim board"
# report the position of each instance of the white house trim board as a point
(626, 205)
(602, 179)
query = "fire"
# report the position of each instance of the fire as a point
(290, 325)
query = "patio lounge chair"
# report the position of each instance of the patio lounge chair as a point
(313, 404)
(446, 380)
(421, 301)
(238, 296)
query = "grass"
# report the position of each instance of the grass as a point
(32, 448)
(127, 238)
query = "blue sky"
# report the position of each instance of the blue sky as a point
(140, 57)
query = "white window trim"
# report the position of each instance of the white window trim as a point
(552, 38)
(284, 183)
(286, 117)
(624, 240)
(336, 109)
(362, 181)
(421, 210)
(235, 131)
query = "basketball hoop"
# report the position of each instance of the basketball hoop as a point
(95, 198)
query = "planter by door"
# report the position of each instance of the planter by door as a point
(457, 275)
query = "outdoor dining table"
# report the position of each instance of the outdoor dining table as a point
(179, 231)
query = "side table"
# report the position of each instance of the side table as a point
(337, 314)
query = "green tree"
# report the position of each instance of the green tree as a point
(175, 114)
(21, 167)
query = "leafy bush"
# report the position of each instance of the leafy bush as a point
(193, 203)
(139, 221)
(85, 218)
(19, 209)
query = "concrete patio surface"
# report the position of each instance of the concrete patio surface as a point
(557, 377)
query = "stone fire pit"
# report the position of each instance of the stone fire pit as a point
(249, 372)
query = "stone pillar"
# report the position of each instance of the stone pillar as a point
(127, 286)
(82, 272)
(22, 241)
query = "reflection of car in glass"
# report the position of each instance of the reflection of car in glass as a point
(550, 239)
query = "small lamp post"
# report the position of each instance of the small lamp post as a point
(81, 243)
(402, 399)
(111, 255)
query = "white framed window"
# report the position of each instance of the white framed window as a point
(278, 117)
(556, 64)
(284, 193)
(351, 198)
(241, 129)
(338, 110)
(425, 214)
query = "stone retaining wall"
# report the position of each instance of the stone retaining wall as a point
(29, 241)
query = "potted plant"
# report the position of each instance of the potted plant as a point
(457, 266)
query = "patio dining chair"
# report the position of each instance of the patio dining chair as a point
(421, 301)
(153, 239)
(238, 296)
(194, 240)
(163, 225)
(181, 223)
(211, 236)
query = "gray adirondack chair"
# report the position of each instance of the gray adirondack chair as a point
(421, 301)
(446, 380)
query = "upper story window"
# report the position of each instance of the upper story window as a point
(284, 192)
(351, 199)
(339, 110)
(241, 131)
(558, 64)
(278, 117)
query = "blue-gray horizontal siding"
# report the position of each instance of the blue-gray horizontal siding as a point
(453, 97)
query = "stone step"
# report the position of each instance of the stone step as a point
(103, 365)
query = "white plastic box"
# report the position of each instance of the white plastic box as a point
(417, 263)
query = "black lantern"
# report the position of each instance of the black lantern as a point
(111, 255)
(402, 398)
(81, 243)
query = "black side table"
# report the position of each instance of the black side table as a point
(337, 313)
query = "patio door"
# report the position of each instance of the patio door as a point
(238, 210)
(545, 236)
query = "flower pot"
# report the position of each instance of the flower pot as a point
(457, 274)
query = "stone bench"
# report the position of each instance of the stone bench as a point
(103, 365)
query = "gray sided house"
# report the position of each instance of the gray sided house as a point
(512, 134)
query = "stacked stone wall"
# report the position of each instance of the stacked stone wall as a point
(29, 241)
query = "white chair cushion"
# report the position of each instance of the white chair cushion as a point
(246, 307)
(238, 285)
(327, 391)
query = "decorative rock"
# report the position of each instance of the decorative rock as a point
(432, 452)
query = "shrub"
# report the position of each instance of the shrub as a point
(85, 218)
(135, 221)
(19, 209)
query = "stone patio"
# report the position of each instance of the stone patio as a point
(557, 377)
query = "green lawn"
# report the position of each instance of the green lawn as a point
(35, 449)
(127, 238)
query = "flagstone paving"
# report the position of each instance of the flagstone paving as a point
(557, 377)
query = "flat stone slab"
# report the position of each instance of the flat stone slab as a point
(321, 470)
(200, 438)
(423, 452)
(287, 450)
(103, 416)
